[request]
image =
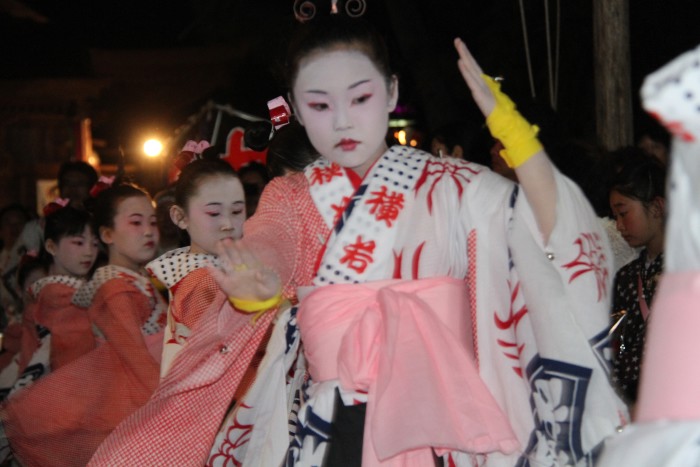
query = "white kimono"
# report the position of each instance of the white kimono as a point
(538, 312)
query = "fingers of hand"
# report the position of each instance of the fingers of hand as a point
(226, 251)
(248, 257)
(467, 59)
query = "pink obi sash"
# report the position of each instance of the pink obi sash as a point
(408, 345)
(669, 385)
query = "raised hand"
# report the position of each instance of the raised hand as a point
(475, 79)
(241, 275)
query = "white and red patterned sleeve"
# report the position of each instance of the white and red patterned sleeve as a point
(287, 231)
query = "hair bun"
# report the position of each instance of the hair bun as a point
(257, 135)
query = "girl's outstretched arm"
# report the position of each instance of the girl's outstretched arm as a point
(523, 152)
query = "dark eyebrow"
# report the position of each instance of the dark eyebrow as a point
(352, 86)
(135, 214)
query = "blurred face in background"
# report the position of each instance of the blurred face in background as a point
(76, 187)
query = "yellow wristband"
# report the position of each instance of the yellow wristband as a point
(519, 138)
(252, 306)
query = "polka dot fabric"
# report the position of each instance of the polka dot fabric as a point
(65, 416)
(178, 426)
(69, 281)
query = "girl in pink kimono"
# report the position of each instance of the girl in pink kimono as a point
(209, 344)
(62, 418)
(209, 206)
(444, 310)
(63, 330)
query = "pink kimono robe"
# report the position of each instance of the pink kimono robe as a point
(62, 418)
(178, 425)
(69, 324)
(64, 331)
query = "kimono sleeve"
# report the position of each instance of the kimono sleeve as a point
(287, 231)
(119, 310)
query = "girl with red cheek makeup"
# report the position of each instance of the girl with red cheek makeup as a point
(443, 310)
(62, 419)
(57, 331)
(210, 207)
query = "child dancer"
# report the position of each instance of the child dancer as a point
(397, 213)
(410, 254)
(209, 206)
(63, 328)
(63, 418)
(210, 344)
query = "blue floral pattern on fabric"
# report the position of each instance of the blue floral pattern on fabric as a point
(558, 395)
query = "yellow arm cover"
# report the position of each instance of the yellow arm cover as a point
(258, 308)
(505, 123)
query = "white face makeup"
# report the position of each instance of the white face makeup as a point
(215, 212)
(133, 241)
(343, 102)
(74, 255)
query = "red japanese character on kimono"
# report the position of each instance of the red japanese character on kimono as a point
(415, 217)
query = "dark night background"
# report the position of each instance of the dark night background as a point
(156, 63)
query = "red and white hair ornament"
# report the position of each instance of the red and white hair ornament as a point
(101, 185)
(190, 152)
(55, 205)
(280, 112)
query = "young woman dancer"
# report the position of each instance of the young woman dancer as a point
(64, 417)
(421, 265)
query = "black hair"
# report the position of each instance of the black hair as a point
(336, 32)
(642, 178)
(104, 207)
(192, 174)
(66, 222)
(80, 167)
(290, 150)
